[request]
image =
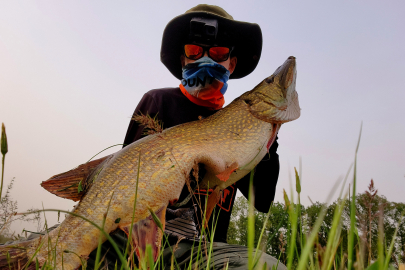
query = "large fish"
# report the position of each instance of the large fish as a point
(229, 144)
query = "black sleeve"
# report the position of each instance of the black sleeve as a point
(264, 180)
(147, 105)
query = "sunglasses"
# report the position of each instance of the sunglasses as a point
(218, 54)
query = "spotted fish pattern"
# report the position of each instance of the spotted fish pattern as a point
(229, 144)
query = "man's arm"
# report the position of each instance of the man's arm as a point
(264, 180)
(147, 105)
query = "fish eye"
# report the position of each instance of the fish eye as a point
(269, 79)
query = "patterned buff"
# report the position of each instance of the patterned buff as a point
(204, 83)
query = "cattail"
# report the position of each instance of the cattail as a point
(4, 150)
(4, 146)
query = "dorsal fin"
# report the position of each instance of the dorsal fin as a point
(66, 185)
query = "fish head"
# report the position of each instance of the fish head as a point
(275, 99)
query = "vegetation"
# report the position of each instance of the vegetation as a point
(9, 207)
(8, 215)
(370, 209)
(365, 231)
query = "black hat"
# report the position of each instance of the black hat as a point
(245, 37)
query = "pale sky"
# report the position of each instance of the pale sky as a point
(72, 73)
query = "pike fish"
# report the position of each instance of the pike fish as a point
(229, 144)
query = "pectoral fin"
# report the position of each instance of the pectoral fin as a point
(223, 176)
(213, 199)
(147, 232)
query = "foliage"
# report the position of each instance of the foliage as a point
(8, 207)
(368, 209)
(8, 215)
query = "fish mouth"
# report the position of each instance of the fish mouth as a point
(275, 100)
(288, 72)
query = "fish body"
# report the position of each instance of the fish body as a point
(229, 144)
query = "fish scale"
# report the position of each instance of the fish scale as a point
(229, 144)
(159, 182)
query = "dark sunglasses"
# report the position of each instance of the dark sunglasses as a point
(218, 54)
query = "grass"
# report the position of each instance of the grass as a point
(306, 254)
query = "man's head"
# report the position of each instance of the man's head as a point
(210, 31)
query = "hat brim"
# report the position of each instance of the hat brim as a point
(247, 39)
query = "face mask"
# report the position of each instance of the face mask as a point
(204, 83)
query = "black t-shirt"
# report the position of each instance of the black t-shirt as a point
(170, 106)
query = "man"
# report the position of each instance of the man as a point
(204, 47)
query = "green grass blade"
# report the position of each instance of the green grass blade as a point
(344, 181)
(380, 243)
(151, 263)
(353, 209)
(8, 259)
(387, 259)
(334, 232)
(262, 232)
(251, 223)
(100, 242)
(292, 212)
(374, 266)
(133, 208)
(104, 150)
(55, 249)
(33, 256)
(298, 190)
(48, 238)
(160, 225)
(302, 263)
(213, 228)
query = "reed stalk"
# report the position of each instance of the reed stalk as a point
(4, 150)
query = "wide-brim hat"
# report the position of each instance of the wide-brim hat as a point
(246, 38)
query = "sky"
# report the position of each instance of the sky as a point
(72, 73)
